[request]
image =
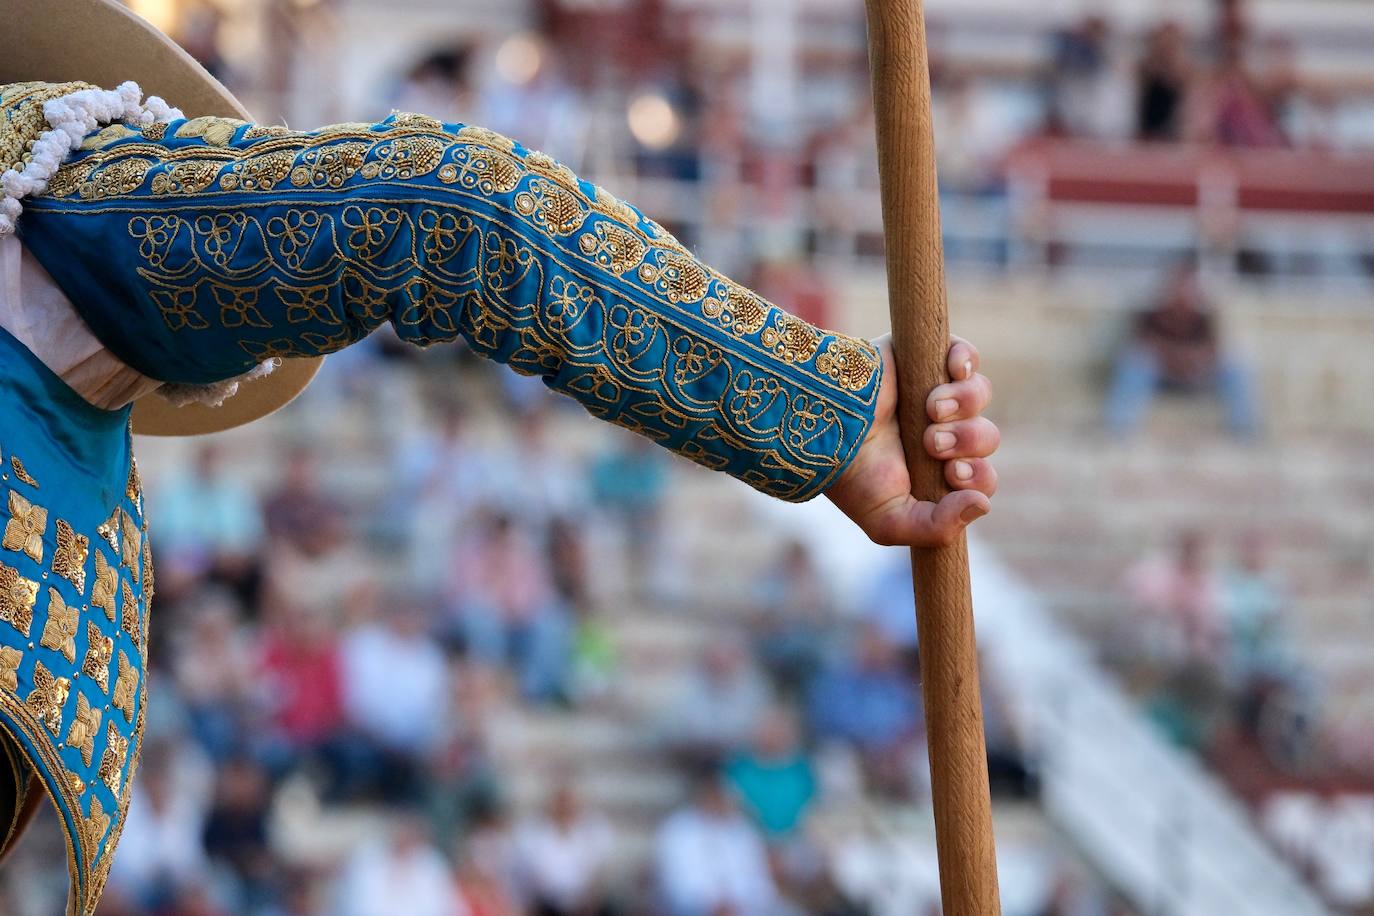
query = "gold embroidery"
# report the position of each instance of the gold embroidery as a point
(129, 615)
(186, 178)
(17, 596)
(105, 585)
(22, 119)
(257, 173)
(214, 131)
(792, 339)
(47, 698)
(59, 633)
(84, 727)
(96, 665)
(109, 530)
(131, 540)
(405, 158)
(258, 131)
(677, 277)
(10, 658)
(849, 362)
(69, 559)
(480, 169)
(614, 248)
(92, 830)
(112, 762)
(24, 530)
(125, 688)
(155, 131)
(21, 472)
(146, 577)
(121, 177)
(327, 166)
(550, 206)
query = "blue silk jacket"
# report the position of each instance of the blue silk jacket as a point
(197, 249)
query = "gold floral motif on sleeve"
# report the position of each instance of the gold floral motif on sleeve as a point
(69, 559)
(21, 472)
(10, 658)
(96, 664)
(112, 761)
(24, 530)
(125, 688)
(105, 585)
(47, 698)
(849, 361)
(145, 578)
(59, 632)
(17, 595)
(84, 728)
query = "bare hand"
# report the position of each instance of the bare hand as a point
(875, 490)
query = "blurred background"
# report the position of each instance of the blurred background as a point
(432, 642)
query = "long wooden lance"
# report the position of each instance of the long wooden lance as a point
(920, 339)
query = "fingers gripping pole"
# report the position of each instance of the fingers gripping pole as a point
(920, 332)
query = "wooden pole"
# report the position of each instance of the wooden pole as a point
(920, 336)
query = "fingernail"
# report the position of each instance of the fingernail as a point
(945, 407)
(972, 514)
(963, 470)
(945, 441)
(968, 368)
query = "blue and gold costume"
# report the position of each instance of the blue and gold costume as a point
(197, 249)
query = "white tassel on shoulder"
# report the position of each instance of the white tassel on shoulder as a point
(71, 119)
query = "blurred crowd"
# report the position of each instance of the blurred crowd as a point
(326, 671)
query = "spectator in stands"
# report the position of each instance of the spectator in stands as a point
(438, 84)
(629, 483)
(717, 710)
(396, 694)
(1084, 88)
(563, 857)
(299, 670)
(1165, 74)
(462, 781)
(794, 619)
(868, 701)
(298, 507)
(213, 667)
(401, 873)
(331, 572)
(164, 828)
(1179, 639)
(709, 860)
(1176, 346)
(773, 778)
(488, 876)
(504, 609)
(235, 834)
(1234, 108)
(209, 528)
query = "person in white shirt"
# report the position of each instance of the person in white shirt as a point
(401, 874)
(563, 857)
(711, 861)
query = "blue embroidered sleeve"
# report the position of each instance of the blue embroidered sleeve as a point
(197, 249)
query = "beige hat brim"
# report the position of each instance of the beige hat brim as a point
(104, 43)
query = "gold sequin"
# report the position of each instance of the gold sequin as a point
(117, 179)
(112, 761)
(96, 665)
(109, 530)
(17, 595)
(125, 687)
(21, 472)
(792, 339)
(24, 530)
(10, 658)
(185, 178)
(47, 698)
(69, 559)
(146, 577)
(614, 248)
(84, 728)
(105, 585)
(59, 632)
